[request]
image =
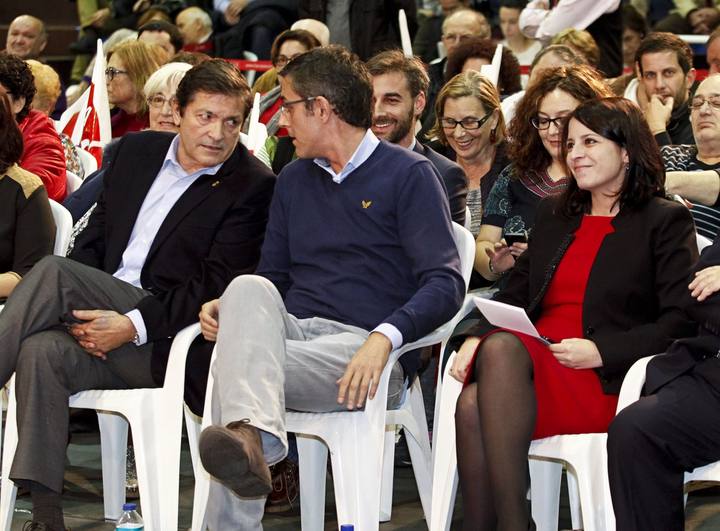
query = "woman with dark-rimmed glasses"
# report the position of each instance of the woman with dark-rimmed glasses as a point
(537, 170)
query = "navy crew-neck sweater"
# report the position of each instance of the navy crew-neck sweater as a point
(376, 248)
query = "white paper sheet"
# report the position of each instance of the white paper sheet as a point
(506, 316)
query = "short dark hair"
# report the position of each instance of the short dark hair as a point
(176, 38)
(215, 76)
(304, 37)
(17, 78)
(339, 76)
(509, 79)
(622, 122)
(395, 61)
(660, 41)
(634, 21)
(513, 4)
(714, 35)
(11, 141)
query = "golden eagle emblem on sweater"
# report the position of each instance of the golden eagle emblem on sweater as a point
(366, 204)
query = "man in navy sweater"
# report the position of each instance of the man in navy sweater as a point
(400, 87)
(358, 259)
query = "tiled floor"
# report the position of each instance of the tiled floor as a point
(84, 510)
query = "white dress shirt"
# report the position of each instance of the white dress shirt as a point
(171, 182)
(539, 22)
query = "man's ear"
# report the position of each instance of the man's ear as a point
(420, 102)
(17, 103)
(323, 107)
(177, 112)
(690, 78)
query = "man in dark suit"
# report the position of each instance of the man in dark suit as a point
(675, 426)
(400, 86)
(178, 218)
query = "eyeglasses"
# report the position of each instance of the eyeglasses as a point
(698, 101)
(157, 101)
(285, 107)
(282, 60)
(111, 72)
(541, 123)
(468, 123)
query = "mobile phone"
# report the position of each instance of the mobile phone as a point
(515, 237)
(68, 319)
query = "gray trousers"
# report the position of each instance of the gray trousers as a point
(269, 361)
(50, 365)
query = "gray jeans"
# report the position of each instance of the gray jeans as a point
(269, 361)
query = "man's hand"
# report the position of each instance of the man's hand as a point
(232, 13)
(576, 353)
(703, 20)
(705, 283)
(103, 331)
(208, 319)
(658, 113)
(364, 370)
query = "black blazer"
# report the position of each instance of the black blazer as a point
(212, 234)
(636, 291)
(702, 352)
(453, 178)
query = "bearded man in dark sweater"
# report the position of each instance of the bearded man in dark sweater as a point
(358, 259)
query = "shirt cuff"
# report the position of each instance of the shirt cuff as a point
(137, 320)
(221, 5)
(390, 332)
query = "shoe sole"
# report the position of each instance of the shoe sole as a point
(224, 457)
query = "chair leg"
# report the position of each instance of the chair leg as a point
(388, 473)
(192, 426)
(8, 490)
(113, 449)
(545, 480)
(313, 455)
(574, 500)
(418, 441)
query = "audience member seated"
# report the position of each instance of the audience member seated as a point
(524, 48)
(159, 92)
(537, 169)
(602, 18)
(43, 153)
(692, 170)
(691, 17)
(399, 87)
(163, 34)
(197, 30)
(712, 50)
(635, 28)
(288, 45)
(175, 222)
(601, 317)
(429, 33)
(27, 230)
(582, 42)
(665, 64)
(549, 57)
(366, 27)
(129, 67)
(317, 301)
(26, 37)
(456, 28)
(471, 125)
(674, 427)
(473, 53)
(47, 87)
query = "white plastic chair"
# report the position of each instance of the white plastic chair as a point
(357, 441)
(155, 417)
(89, 163)
(73, 182)
(63, 227)
(702, 242)
(250, 74)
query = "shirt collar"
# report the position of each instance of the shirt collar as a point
(171, 161)
(361, 154)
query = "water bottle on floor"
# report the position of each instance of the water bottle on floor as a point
(130, 519)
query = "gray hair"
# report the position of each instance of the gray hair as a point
(167, 77)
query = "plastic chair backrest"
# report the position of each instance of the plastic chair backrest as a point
(63, 227)
(702, 242)
(73, 182)
(89, 163)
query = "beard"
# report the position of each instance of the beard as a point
(401, 129)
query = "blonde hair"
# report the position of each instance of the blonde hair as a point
(581, 41)
(468, 84)
(140, 60)
(47, 86)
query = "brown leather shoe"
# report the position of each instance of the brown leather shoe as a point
(233, 454)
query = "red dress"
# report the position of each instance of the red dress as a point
(569, 400)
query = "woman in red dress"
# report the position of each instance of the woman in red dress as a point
(604, 277)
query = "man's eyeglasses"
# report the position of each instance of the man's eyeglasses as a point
(541, 122)
(698, 101)
(111, 73)
(285, 107)
(157, 101)
(469, 123)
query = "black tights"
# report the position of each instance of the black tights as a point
(494, 422)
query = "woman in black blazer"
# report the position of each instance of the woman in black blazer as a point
(605, 277)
